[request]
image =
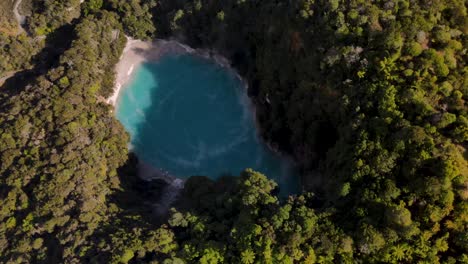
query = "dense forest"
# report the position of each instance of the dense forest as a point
(369, 97)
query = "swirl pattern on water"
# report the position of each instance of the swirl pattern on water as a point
(189, 116)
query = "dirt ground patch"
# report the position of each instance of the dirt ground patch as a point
(8, 24)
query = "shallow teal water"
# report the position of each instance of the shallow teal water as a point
(189, 116)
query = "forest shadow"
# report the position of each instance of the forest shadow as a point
(235, 41)
(139, 196)
(136, 195)
(56, 43)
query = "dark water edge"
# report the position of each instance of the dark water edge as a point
(174, 185)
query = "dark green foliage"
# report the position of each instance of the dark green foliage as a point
(16, 53)
(135, 16)
(368, 96)
(237, 220)
(18, 50)
(49, 15)
(60, 149)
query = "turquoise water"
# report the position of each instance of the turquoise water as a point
(189, 116)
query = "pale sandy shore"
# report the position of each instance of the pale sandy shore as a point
(137, 52)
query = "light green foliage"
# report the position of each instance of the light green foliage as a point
(256, 189)
(177, 16)
(16, 52)
(220, 15)
(127, 256)
(64, 82)
(38, 243)
(370, 94)
(136, 17)
(53, 14)
(399, 216)
(71, 164)
(247, 257)
(414, 49)
(238, 232)
(446, 119)
(369, 97)
(92, 6)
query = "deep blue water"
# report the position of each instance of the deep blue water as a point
(189, 116)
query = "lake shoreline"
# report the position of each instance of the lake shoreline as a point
(137, 52)
(134, 54)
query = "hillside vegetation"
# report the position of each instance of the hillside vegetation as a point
(7, 20)
(368, 96)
